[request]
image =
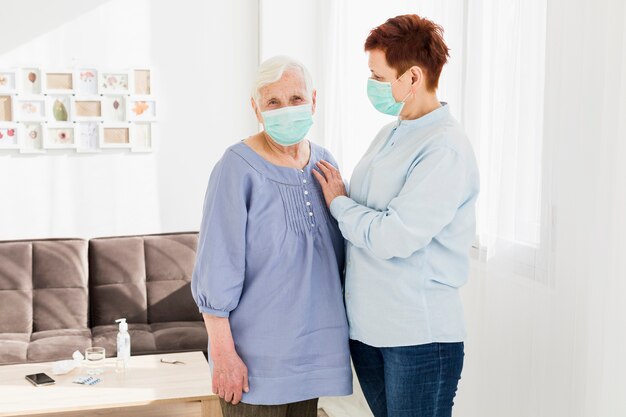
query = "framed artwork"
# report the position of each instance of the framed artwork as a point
(6, 108)
(9, 136)
(59, 107)
(31, 137)
(142, 81)
(8, 81)
(30, 81)
(87, 108)
(141, 137)
(86, 81)
(115, 135)
(58, 82)
(59, 136)
(84, 108)
(141, 108)
(30, 108)
(87, 137)
(114, 82)
(114, 108)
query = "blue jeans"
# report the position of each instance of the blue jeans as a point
(409, 381)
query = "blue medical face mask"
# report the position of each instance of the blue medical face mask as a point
(288, 125)
(381, 97)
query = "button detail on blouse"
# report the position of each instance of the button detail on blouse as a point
(306, 192)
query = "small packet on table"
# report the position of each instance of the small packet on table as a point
(86, 380)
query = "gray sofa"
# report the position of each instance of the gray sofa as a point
(59, 295)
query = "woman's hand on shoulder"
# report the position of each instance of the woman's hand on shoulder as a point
(330, 179)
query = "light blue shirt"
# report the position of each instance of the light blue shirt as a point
(270, 258)
(409, 223)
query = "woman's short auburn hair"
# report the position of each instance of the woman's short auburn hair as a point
(410, 40)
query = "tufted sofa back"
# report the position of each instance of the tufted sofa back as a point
(143, 278)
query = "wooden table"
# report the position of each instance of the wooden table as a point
(147, 388)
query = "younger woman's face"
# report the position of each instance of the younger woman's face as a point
(381, 71)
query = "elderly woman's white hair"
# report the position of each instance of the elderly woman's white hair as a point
(272, 69)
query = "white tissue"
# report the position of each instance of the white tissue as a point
(63, 367)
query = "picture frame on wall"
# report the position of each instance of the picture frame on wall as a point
(58, 81)
(114, 82)
(86, 108)
(59, 108)
(142, 81)
(86, 81)
(114, 108)
(9, 136)
(141, 109)
(8, 81)
(7, 108)
(88, 137)
(60, 136)
(29, 81)
(31, 137)
(30, 108)
(115, 135)
(142, 137)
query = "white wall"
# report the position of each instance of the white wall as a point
(203, 58)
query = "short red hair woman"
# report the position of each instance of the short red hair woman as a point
(409, 222)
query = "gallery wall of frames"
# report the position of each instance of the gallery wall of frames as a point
(80, 110)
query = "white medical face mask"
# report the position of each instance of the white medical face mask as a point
(381, 96)
(288, 125)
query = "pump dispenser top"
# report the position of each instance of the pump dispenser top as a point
(123, 325)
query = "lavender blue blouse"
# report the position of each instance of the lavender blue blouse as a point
(269, 257)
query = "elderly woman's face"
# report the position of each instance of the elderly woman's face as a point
(289, 90)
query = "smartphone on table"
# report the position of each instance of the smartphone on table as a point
(39, 379)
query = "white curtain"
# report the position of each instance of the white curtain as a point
(503, 108)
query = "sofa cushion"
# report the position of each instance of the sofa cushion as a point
(16, 285)
(179, 336)
(14, 348)
(60, 299)
(117, 280)
(141, 338)
(53, 345)
(169, 264)
(153, 338)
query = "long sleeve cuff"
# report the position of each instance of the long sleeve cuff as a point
(339, 205)
(213, 312)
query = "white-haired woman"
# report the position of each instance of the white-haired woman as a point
(269, 259)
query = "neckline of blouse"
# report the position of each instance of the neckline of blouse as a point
(277, 173)
(428, 118)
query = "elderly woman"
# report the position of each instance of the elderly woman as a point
(267, 274)
(409, 221)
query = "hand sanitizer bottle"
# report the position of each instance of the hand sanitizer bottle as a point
(123, 346)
